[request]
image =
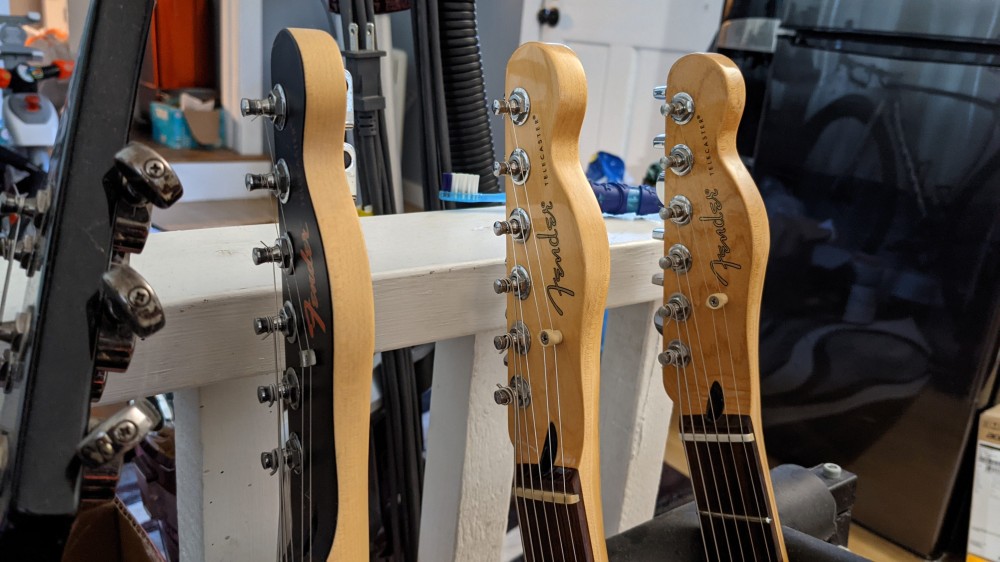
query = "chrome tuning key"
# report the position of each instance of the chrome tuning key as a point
(33, 208)
(517, 167)
(24, 251)
(288, 457)
(518, 225)
(678, 259)
(677, 308)
(676, 354)
(118, 434)
(283, 322)
(277, 181)
(279, 254)
(680, 161)
(517, 392)
(680, 108)
(273, 107)
(518, 283)
(145, 177)
(660, 140)
(517, 106)
(678, 210)
(288, 390)
(131, 229)
(517, 338)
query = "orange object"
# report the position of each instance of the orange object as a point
(65, 68)
(4, 78)
(181, 39)
(32, 103)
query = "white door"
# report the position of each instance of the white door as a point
(626, 47)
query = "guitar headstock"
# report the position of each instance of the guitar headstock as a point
(322, 386)
(716, 244)
(84, 305)
(558, 261)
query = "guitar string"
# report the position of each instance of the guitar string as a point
(739, 410)
(10, 256)
(534, 424)
(701, 403)
(555, 368)
(517, 433)
(714, 419)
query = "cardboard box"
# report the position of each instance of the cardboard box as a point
(186, 128)
(984, 521)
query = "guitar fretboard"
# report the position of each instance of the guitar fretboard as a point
(551, 515)
(731, 494)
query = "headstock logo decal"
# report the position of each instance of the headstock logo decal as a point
(719, 265)
(311, 304)
(554, 290)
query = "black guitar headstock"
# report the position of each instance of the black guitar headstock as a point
(84, 305)
(324, 313)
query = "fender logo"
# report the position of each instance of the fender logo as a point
(310, 305)
(719, 265)
(555, 289)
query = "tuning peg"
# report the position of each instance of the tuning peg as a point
(518, 106)
(679, 161)
(518, 225)
(289, 456)
(283, 322)
(114, 350)
(273, 107)
(287, 390)
(518, 391)
(33, 208)
(677, 308)
(517, 167)
(659, 92)
(678, 259)
(678, 210)
(519, 283)
(676, 354)
(131, 228)
(277, 181)
(517, 338)
(11, 371)
(131, 300)
(280, 253)
(23, 251)
(146, 177)
(118, 434)
(658, 279)
(680, 108)
(660, 140)
(658, 233)
(14, 331)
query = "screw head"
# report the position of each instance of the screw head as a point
(139, 296)
(124, 432)
(154, 168)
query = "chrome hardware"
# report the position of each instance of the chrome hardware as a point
(287, 390)
(518, 225)
(657, 234)
(23, 251)
(659, 92)
(283, 322)
(660, 140)
(289, 456)
(518, 391)
(677, 354)
(678, 210)
(518, 106)
(680, 108)
(349, 119)
(517, 167)
(277, 181)
(678, 259)
(11, 370)
(677, 308)
(28, 207)
(519, 283)
(680, 160)
(146, 176)
(114, 351)
(518, 339)
(131, 228)
(131, 300)
(272, 107)
(118, 434)
(280, 253)
(658, 279)
(14, 331)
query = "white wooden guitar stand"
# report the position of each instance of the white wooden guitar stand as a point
(433, 276)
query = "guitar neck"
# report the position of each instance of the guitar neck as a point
(731, 489)
(552, 515)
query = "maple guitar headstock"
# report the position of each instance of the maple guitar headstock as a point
(325, 312)
(715, 251)
(84, 305)
(558, 261)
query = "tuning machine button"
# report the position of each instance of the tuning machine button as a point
(676, 354)
(280, 253)
(32, 208)
(273, 107)
(517, 166)
(677, 308)
(517, 338)
(678, 210)
(132, 228)
(288, 457)
(518, 225)
(277, 181)
(517, 392)
(118, 434)
(518, 283)
(678, 259)
(680, 108)
(15, 331)
(283, 322)
(518, 106)
(146, 177)
(680, 160)
(26, 251)
(132, 301)
(660, 140)
(659, 92)
(287, 391)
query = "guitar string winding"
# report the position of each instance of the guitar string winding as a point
(715, 424)
(534, 425)
(739, 410)
(555, 367)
